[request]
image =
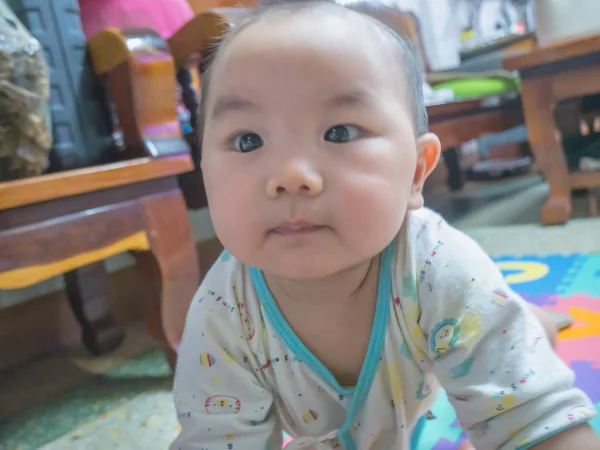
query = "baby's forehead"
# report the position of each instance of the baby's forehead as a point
(325, 54)
(323, 47)
(327, 25)
(303, 57)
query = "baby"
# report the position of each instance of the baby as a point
(342, 308)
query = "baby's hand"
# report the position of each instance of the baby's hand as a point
(466, 446)
(581, 437)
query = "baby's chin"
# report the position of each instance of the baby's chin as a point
(301, 273)
(300, 267)
(304, 257)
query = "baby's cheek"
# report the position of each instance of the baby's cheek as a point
(373, 208)
(231, 217)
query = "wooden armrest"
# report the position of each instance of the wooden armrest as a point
(199, 6)
(74, 182)
(509, 103)
(140, 75)
(190, 42)
(107, 50)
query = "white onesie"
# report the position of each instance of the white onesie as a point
(445, 318)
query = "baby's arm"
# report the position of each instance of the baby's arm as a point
(491, 354)
(219, 395)
(580, 437)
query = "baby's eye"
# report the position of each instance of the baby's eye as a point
(340, 134)
(247, 142)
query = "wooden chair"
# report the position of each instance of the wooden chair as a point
(69, 222)
(188, 46)
(199, 6)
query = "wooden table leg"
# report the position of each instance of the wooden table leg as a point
(451, 157)
(88, 293)
(170, 270)
(544, 139)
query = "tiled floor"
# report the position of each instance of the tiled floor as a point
(100, 403)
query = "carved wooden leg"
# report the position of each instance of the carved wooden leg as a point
(170, 270)
(88, 292)
(544, 139)
(188, 94)
(451, 158)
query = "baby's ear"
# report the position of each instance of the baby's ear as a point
(428, 155)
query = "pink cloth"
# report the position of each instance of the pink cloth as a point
(164, 17)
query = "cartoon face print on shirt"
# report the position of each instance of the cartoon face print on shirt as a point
(222, 404)
(500, 402)
(444, 336)
(579, 414)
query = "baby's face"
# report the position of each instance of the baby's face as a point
(309, 156)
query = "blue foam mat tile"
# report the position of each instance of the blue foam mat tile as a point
(537, 275)
(442, 430)
(595, 422)
(583, 278)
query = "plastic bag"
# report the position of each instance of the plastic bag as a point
(25, 137)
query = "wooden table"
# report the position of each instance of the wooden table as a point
(69, 222)
(458, 122)
(551, 75)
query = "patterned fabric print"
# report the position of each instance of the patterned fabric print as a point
(453, 319)
(539, 280)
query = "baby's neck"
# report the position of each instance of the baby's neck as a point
(346, 286)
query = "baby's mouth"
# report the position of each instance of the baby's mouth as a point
(296, 227)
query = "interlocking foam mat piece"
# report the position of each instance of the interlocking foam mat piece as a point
(565, 283)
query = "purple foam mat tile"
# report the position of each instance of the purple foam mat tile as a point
(587, 379)
(540, 300)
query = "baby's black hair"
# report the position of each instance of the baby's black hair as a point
(378, 13)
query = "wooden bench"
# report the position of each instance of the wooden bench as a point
(70, 222)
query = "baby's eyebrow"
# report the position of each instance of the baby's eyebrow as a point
(227, 104)
(352, 97)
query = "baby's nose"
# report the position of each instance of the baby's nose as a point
(295, 178)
